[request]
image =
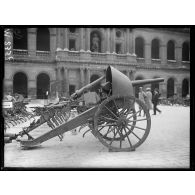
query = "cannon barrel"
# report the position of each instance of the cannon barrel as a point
(79, 92)
(146, 81)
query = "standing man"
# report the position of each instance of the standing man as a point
(142, 97)
(10, 97)
(155, 100)
(148, 100)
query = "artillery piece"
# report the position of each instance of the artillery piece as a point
(113, 120)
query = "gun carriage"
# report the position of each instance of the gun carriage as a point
(15, 113)
(113, 120)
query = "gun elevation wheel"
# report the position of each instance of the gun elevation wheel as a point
(117, 124)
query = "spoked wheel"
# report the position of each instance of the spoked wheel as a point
(117, 124)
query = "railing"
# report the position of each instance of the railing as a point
(61, 54)
(171, 62)
(156, 61)
(43, 53)
(186, 62)
(20, 52)
(98, 55)
(73, 53)
(140, 60)
(121, 56)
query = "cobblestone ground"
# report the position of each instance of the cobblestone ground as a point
(167, 146)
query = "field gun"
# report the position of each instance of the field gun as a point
(113, 120)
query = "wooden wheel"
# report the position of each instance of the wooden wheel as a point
(117, 124)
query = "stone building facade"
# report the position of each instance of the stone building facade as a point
(65, 59)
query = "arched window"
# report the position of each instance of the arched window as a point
(185, 87)
(93, 78)
(72, 44)
(118, 33)
(185, 51)
(155, 49)
(43, 39)
(20, 84)
(118, 48)
(139, 47)
(170, 50)
(43, 85)
(20, 38)
(71, 89)
(95, 41)
(137, 87)
(170, 87)
(72, 30)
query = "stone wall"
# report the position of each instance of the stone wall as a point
(76, 67)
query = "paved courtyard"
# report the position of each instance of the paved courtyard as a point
(167, 146)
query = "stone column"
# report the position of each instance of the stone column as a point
(113, 40)
(108, 40)
(62, 81)
(163, 54)
(66, 81)
(131, 42)
(88, 75)
(147, 53)
(82, 46)
(32, 41)
(178, 52)
(88, 39)
(65, 38)
(53, 42)
(57, 80)
(58, 34)
(82, 77)
(58, 74)
(127, 40)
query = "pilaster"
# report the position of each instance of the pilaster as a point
(88, 75)
(88, 39)
(32, 41)
(163, 54)
(127, 40)
(108, 40)
(66, 81)
(82, 76)
(148, 53)
(113, 40)
(82, 39)
(131, 43)
(65, 38)
(178, 54)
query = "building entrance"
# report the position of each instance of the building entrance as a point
(20, 84)
(43, 84)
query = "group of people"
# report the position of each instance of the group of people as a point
(14, 98)
(151, 100)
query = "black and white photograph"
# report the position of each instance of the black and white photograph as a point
(103, 97)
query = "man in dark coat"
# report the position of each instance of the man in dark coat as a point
(155, 101)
